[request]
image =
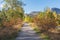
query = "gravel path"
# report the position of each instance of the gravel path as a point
(27, 33)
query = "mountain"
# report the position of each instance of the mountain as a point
(33, 13)
(57, 10)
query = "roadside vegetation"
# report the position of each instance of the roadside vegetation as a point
(11, 19)
(47, 25)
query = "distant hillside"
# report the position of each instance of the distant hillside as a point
(57, 10)
(33, 13)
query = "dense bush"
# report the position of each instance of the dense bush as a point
(11, 19)
(58, 19)
(10, 23)
(47, 23)
(9, 27)
(28, 19)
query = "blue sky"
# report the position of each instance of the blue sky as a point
(38, 5)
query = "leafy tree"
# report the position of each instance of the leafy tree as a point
(58, 19)
(13, 3)
(45, 20)
(11, 15)
(13, 8)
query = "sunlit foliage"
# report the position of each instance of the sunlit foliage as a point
(47, 23)
(11, 19)
(28, 19)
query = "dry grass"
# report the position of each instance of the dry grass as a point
(9, 30)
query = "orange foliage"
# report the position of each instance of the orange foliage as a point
(8, 30)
